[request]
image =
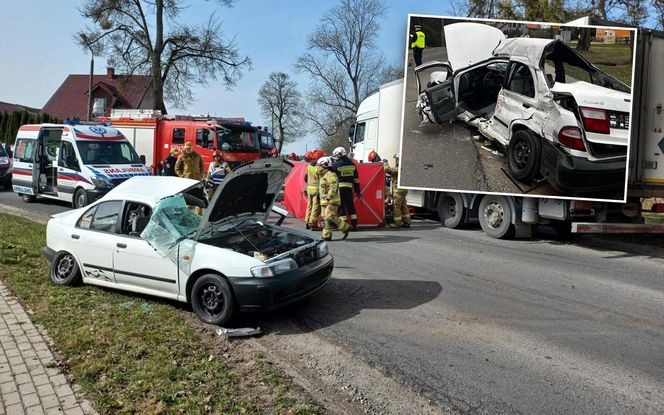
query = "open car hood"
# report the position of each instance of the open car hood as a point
(470, 43)
(248, 192)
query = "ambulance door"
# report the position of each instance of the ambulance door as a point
(25, 174)
(68, 170)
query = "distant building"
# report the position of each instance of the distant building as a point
(109, 91)
(9, 108)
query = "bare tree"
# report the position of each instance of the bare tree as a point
(280, 101)
(342, 62)
(144, 37)
(658, 5)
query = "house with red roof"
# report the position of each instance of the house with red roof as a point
(109, 91)
(9, 108)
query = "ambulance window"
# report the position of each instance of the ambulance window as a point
(203, 137)
(178, 135)
(359, 132)
(25, 150)
(67, 156)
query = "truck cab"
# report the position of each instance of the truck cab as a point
(72, 162)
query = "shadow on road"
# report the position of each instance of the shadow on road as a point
(342, 299)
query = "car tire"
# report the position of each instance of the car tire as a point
(524, 155)
(212, 299)
(65, 270)
(80, 199)
(495, 216)
(451, 211)
(27, 198)
(8, 182)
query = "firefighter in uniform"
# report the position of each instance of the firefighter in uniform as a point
(329, 199)
(348, 181)
(312, 178)
(190, 166)
(417, 44)
(401, 216)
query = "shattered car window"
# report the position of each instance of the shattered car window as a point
(171, 222)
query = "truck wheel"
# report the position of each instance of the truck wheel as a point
(451, 211)
(524, 155)
(80, 199)
(212, 299)
(495, 215)
(27, 198)
(64, 270)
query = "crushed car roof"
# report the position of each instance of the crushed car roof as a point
(530, 48)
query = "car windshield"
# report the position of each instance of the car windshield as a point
(267, 141)
(237, 139)
(171, 222)
(107, 152)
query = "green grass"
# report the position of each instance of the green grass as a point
(654, 218)
(137, 354)
(615, 60)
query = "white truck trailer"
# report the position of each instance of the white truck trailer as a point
(378, 127)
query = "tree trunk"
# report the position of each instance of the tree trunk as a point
(281, 138)
(584, 40)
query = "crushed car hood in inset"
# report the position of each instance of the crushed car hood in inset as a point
(470, 43)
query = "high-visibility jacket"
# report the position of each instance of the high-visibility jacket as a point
(394, 173)
(312, 177)
(347, 173)
(329, 189)
(419, 43)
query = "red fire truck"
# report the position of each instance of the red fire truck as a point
(153, 136)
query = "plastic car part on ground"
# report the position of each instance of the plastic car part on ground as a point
(239, 332)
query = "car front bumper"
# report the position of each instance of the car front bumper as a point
(577, 175)
(263, 294)
(49, 254)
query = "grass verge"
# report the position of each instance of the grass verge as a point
(134, 354)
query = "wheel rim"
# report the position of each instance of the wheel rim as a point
(80, 199)
(211, 300)
(64, 267)
(521, 155)
(450, 207)
(494, 215)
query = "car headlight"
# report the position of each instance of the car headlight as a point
(275, 268)
(321, 249)
(101, 183)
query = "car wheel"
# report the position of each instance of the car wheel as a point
(80, 199)
(27, 198)
(212, 299)
(451, 211)
(64, 270)
(495, 216)
(524, 155)
(8, 182)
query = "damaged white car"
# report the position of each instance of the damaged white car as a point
(142, 237)
(556, 115)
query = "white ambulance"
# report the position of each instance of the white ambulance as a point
(72, 162)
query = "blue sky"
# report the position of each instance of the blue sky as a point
(38, 51)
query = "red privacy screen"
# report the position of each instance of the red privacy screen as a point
(370, 207)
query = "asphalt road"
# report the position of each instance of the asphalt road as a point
(485, 326)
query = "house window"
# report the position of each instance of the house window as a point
(178, 135)
(99, 106)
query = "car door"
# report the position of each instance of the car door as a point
(68, 169)
(25, 170)
(517, 100)
(137, 265)
(438, 89)
(93, 240)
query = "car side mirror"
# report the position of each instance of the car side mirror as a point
(142, 157)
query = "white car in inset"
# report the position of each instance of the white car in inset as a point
(556, 114)
(143, 237)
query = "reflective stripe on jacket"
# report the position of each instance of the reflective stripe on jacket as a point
(347, 172)
(312, 178)
(329, 189)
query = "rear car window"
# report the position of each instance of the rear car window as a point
(106, 216)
